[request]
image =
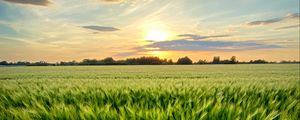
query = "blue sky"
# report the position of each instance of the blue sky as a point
(55, 30)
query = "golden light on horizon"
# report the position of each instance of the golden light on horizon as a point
(160, 54)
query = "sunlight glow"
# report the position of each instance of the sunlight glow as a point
(157, 35)
(161, 54)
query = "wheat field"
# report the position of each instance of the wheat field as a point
(269, 91)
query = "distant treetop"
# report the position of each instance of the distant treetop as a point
(151, 60)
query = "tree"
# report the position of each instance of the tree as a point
(108, 61)
(184, 60)
(202, 62)
(216, 60)
(3, 63)
(225, 62)
(120, 62)
(22, 63)
(89, 62)
(41, 63)
(131, 61)
(233, 60)
(150, 61)
(68, 63)
(170, 61)
(259, 61)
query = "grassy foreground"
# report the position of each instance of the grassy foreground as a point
(151, 92)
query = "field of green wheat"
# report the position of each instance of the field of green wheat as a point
(151, 92)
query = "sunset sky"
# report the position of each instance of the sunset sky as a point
(65, 30)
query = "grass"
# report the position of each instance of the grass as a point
(151, 92)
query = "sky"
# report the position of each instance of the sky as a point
(65, 30)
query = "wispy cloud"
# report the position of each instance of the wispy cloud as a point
(193, 43)
(265, 22)
(101, 28)
(199, 37)
(135, 5)
(32, 2)
(187, 45)
(275, 20)
(125, 54)
(193, 46)
(288, 27)
(112, 1)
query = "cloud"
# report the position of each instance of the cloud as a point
(124, 54)
(187, 45)
(265, 22)
(193, 42)
(6, 41)
(293, 15)
(288, 27)
(31, 2)
(112, 1)
(101, 28)
(7, 30)
(12, 13)
(275, 20)
(198, 37)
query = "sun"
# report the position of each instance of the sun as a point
(157, 35)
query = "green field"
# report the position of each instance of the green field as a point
(270, 91)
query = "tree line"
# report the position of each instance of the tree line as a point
(143, 61)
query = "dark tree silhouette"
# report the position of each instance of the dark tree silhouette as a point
(259, 61)
(3, 63)
(68, 63)
(108, 61)
(202, 62)
(233, 60)
(89, 62)
(170, 62)
(146, 61)
(41, 63)
(216, 60)
(142, 61)
(184, 60)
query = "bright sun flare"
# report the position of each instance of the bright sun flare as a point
(157, 35)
